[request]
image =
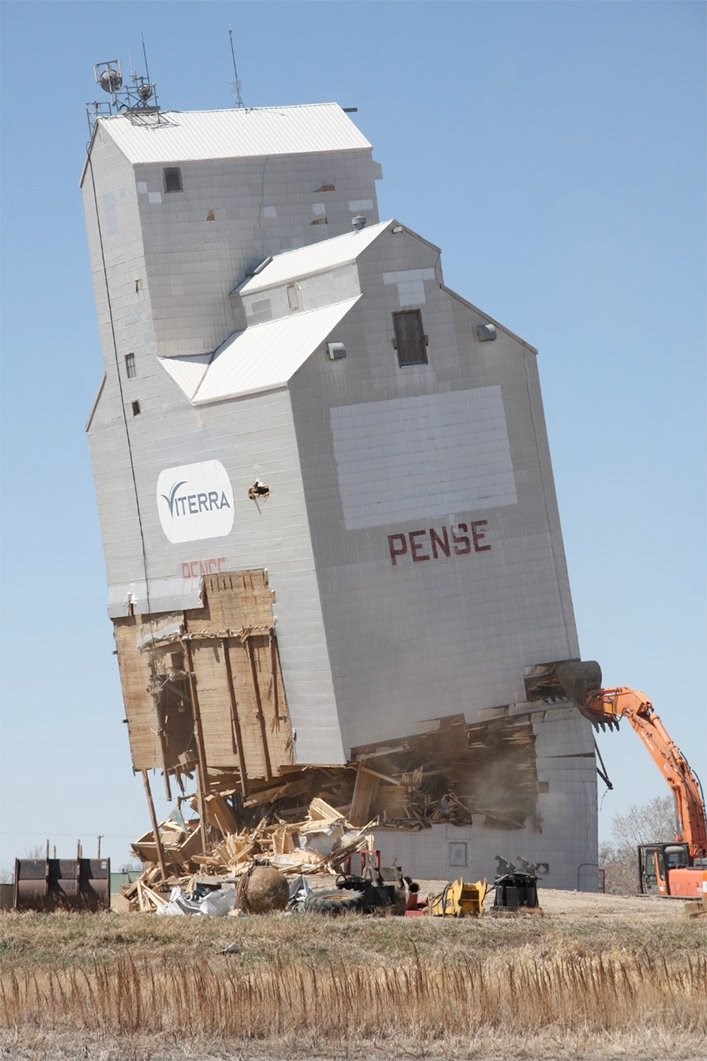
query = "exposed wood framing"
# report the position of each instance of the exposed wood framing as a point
(223, 708)
(259, 712)
(204, 694)
(203, 772)
(237, 735)
(155, 827)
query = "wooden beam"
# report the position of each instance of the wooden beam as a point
(261, 717)
(275, 669)
(155, 826)
(202, 772)
(234, 717)
(382, 777)
(363, 793)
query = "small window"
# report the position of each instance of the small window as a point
(292, 296)
(130, 370)
(172, 180)
(136, 408)
(410, 340)
(457, 854)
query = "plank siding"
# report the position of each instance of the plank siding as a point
(232, 634)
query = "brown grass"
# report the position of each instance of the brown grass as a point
(145, 987)
(593, 993)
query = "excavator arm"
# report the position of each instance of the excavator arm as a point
(605, 707)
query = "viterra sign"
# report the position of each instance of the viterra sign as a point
(195, 501)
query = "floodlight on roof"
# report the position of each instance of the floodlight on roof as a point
(109, 76)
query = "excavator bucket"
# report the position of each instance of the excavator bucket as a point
(62, 884)
(459, 899)
(568, 679)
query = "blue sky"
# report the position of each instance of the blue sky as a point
(555, 151)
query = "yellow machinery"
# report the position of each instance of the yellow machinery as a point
(459, 899)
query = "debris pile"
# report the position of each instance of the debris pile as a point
(206, 704)
(320, 844)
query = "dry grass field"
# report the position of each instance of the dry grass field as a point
(595, 977)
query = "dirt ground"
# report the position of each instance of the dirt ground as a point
(608, 908)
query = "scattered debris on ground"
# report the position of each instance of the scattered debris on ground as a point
(183, 878)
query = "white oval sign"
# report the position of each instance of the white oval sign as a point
(195, 501)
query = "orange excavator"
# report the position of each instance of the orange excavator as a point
(679, 868)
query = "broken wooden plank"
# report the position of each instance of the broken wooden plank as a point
(364, 790)
(319, 810)
(218, 813)
(382, 777)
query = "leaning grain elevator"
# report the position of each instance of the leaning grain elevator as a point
(334, 556)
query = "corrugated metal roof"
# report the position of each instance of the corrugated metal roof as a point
(190, 136)
(315, 258)
(264, 356)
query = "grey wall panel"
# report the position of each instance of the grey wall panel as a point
(251, 439)
(201, 242)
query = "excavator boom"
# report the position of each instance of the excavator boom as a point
(605, 707)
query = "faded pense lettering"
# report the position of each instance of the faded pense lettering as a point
(438, 543)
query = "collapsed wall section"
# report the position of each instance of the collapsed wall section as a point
(203, 688)
(452, 773)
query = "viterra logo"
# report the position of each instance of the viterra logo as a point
(195, 501)
(191, 504)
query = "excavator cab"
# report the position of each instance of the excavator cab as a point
(668, 869)
(654, 863)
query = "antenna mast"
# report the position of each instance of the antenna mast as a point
(137, 100)
(236, 84)
(144, 55)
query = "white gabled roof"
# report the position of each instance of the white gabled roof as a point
(315, 258)
(192, 136)
(187, 372)
(261, 358)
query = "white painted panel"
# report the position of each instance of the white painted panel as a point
(432, 455)
(159, 595)
(195, 501)
(410, 284)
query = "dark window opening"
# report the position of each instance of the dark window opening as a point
(410, 340)
(130, 369)
(172, 180)
(136, 408)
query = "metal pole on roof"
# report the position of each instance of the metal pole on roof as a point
(144, 55)
(237, 83)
